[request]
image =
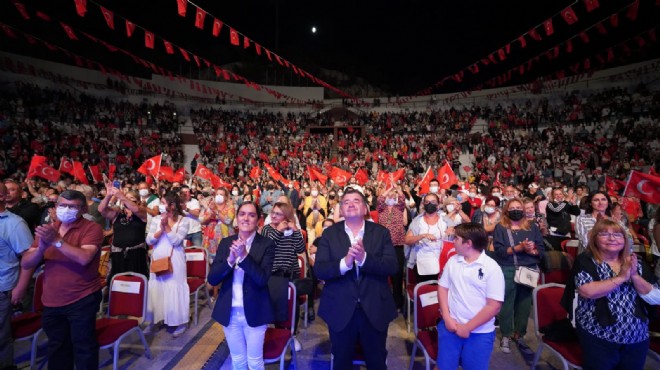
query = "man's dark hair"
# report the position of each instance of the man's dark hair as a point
(75, 195)
(434, 180)
(351, 190)
(474, 232)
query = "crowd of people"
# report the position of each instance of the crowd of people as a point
(536, 180)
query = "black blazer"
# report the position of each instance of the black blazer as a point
(257, 266)
(341, 293)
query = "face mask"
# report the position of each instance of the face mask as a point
(472, 195)
(234, 192)
(315, 193)
(287, 232)
(565, 190)
(430, 208)
(219, 199)
(162, 208)
(290, 186)
(340, 194)
(459, 198)
(529, 215)
(331, 196)
(516, 215)
(489, 210)
(450, 208)
(498, 195)
(66, 215)
(433, 189)
(144, 193)
(390, 201)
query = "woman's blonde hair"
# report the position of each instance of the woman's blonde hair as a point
(287, 210)
(604, 225)
(505, 221)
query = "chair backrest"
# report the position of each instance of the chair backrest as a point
(37, 304)
(547, 306)
(411, 279)
(426, 305)
(291, 317)
(197, 264)
(303, 267)
(128, 295)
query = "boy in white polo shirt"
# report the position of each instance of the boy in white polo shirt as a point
(470, 293)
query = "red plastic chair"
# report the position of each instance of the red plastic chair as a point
(197, 269)
(127, 298)
(27, 326)
(303, 301)
(547, 309)
(279, 337)
(427, 314)
(411, 280)
(571, 247)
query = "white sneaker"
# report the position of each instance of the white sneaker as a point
(297, 345)
(505, 345)
(179, 330)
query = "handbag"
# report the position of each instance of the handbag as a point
(524, 275)
(162, 266)
(304, 286)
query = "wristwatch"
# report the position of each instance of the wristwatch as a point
(58, 244)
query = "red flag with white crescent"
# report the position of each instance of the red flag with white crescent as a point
(361, 176)
(151, 166)
(38, 167)
(446, 176)
(255, 173)
(643, 186)
(166, 173)
(179, 175)
(203, 172)
(111, 171)
(613, 186)
(79, 172)
(66, 165)
(426, 182)
(96, 174)
(316, 174)
(273, 172)
(217, 182)
(339, 176)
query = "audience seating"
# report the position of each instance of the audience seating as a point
(197, 269)
(411, 280)
(127, 308)
(426, 318)
(547, 309)
(279, 337)
(27, 326)
(304, 301)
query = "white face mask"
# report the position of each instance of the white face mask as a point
(450, 208)
(287, 232)
(433, 189)
(234, 192)
(315, 193)
(162, 208)
(144, 193)
(489, 210)
(472, 195)
(498, 195)
(219, 199)
(390, 201)
(340, 194)
(66, 215)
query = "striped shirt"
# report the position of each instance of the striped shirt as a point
(287, 249)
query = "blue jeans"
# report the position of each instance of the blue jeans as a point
(600, 354)
(195, 238)
(473, 352)
(72, 335)
(6, 340)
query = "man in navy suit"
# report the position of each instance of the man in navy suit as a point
(354, 258)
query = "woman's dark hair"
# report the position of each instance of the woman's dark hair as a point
(256, 206)
(494, 199)
(474, 232)
(589, 208)
(174, 198)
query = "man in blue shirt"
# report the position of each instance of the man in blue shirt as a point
(15, 238)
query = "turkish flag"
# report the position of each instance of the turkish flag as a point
(591, 5)
(569, 15)
(535, 35)
(522, 40)
(643, 186)
(316, 174)
(390, 178)
(66, 165)
(111, 171)
(130, 27)
(38, 167)
(21, 9)
(166, 173)
(179, 175)
(361, 176)
(69, 31)
(549, 29)
(109, 17)
(446, 176)
(81, 7)
(273, 173)
(151, 166)
(339, 176)
(632, 10)
(185, 54)
(200, 14)
(168, 47)
(149, 39)
(426, 182)
(257, 48)
(203, 172)
(217, 182)
(233, 37)
(217, 26)
(79, 172)
(255, 173)
(246, 42)
(613, 186)
(182, 5)
(96, 174)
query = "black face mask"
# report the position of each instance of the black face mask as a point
(307, 193)
(331, 196)
(516, 214)
(430, 208)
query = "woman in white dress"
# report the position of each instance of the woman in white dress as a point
(169, 296)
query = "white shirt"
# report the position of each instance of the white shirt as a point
(239, 274)
(151, 205)
(470, 285)
(195, 225)
(343, 268)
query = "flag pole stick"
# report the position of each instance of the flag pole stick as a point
(625, 190)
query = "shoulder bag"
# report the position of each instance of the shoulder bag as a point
(527, 276)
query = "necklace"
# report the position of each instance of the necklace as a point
(125, 220)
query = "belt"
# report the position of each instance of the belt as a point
(114, 249)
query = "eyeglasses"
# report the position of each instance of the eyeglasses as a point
(70, 206)
(605, 235)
